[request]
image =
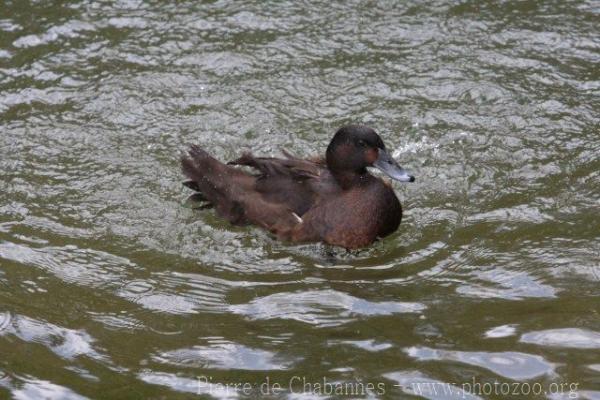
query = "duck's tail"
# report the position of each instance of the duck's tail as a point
(233, 194)
(215, 182)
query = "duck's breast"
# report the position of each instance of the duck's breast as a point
(353, 218)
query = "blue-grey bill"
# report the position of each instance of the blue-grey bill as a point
(390, 167)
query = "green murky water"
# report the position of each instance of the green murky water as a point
(110, 288)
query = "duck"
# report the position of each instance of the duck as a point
(332, 199)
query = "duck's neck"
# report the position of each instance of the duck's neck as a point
(347, 179)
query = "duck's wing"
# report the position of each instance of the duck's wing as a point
(289, 181)
(290, 166)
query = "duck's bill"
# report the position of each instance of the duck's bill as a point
(390, 167)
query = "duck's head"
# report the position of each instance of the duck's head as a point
(356, 147)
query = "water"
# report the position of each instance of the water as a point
(111, 288)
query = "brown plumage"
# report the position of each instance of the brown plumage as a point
(334, 200)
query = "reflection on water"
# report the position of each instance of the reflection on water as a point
(322, 308)
(511, 365)
(65, 343)
(417, 384)
(188, 385)
(567, 337)
(39, 389)
(222, 355)
(501, 331)
(109, 284)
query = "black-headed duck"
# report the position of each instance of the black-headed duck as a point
(333, 200)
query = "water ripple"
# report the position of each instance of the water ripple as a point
(509, 364)
(70, 263)
(320, 307)
(418, 384)
(223, 355)
(368, 345)
(501, 331)
(189, 385)
(64, 342)
(40, 389)
(71, 29)
(567, 337)
(507, 284)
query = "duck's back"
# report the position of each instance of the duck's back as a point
(292, 182)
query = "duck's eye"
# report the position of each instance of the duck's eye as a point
(362, 143)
